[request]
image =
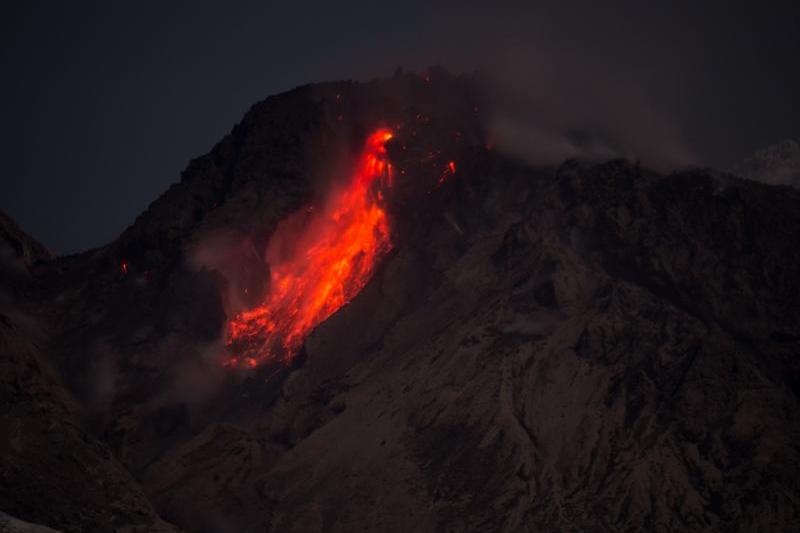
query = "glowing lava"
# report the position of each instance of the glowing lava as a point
(328, 263)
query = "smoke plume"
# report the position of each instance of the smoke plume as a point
(552, 106)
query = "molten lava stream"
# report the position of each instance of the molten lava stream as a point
(333, 258)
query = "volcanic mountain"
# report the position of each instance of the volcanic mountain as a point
(499, 347)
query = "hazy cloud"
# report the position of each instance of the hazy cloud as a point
(551, 106)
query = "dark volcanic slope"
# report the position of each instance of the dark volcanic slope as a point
(52, 470)
(588, 348)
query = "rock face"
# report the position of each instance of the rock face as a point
(777, 165)
(586, 348)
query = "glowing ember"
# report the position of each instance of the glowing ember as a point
(449, 170)
(331, 260)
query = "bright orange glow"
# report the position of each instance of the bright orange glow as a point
(449, 170)
(331, 260)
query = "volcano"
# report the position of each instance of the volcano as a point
(358, 313)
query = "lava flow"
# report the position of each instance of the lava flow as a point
(332, 259)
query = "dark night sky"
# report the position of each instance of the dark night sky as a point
(104, 103)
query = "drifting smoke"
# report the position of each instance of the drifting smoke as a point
(195, 379)
(237, 258)
(102, 375)
(549, 108)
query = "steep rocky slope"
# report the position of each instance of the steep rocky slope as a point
(592, 347)
(52, 470)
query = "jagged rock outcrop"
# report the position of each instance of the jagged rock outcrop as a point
(18, 252)
(587, 348)
(776, 165)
